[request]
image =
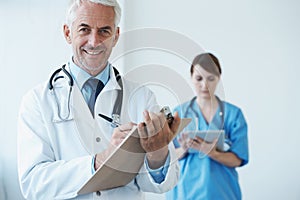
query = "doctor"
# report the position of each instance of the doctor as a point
(61, 139)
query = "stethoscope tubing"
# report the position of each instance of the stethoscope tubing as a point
(118, 104)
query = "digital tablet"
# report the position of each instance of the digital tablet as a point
(210, 136)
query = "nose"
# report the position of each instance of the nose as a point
(203, 84)
(94, 39)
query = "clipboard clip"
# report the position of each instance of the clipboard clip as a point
(168, 114)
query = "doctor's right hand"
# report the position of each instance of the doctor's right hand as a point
(118, 136)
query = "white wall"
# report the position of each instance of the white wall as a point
(258, 46)
(32, 46)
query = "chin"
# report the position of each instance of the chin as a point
(92, 66)
(206, 96)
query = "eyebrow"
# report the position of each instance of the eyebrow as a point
(85, 25)
(210, 76)
(106, 28)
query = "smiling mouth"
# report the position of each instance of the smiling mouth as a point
(92, 52)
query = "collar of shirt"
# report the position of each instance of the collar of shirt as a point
(80, 76)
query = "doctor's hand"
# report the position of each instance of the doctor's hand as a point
(120, 133)
(156, 134)
(118, 136)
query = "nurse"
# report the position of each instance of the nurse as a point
(205, 172)
(61, 139)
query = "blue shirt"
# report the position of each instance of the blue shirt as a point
(202, 178)
(80, 77)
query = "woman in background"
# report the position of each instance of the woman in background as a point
(206, 172)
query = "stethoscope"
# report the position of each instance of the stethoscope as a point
(118, 103)
(227, 142)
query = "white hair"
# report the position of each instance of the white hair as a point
(74, 4)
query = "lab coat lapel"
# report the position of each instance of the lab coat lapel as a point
(87, 127)
(91, 130)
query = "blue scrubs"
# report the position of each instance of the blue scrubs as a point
(202, 178)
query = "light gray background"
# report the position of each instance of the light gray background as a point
(258, 46)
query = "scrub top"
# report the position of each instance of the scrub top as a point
(202, 178)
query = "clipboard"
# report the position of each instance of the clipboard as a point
(122, 165)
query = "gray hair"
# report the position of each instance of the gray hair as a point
(74, 4)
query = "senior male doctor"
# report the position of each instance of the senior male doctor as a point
(61, 139)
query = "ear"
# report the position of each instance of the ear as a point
(67, 33)
(117, 34)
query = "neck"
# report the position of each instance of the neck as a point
(208, 107)
(207, 102)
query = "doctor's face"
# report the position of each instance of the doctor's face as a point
(205, 83)
(92, 35)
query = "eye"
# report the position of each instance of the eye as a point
(84, 30)
(211, 78)
(199, 78)
(105, 32)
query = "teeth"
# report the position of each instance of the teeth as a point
(93, 52)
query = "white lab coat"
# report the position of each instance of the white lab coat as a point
(55, 156)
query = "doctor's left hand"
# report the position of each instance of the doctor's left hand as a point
(156, 134)
(118, 136)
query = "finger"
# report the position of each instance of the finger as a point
(142, 130)
(215, 141)
(180, 140)
(193, 144)
(149, 128)
(126, 127)
(175, 124)
(124, 134)
(157, 121)
(184, 136)
(182, 143)
(198, 139)
(162, 120)
(121, 132)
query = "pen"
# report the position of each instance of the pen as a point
(166, 110)
(114, 123)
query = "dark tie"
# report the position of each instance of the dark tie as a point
(96, 86)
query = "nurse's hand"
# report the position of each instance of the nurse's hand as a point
(183, 141)
(182, 150)
(155, 135)
(199, 144)
(118, 136)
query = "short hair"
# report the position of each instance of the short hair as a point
(207, 61)
(74, 4)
